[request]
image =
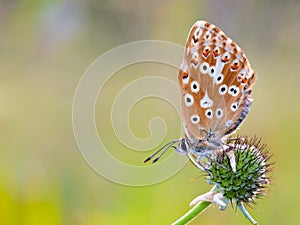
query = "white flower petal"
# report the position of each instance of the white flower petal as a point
(213, 197)
(218, 200)
(231, 157)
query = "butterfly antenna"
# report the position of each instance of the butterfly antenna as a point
(161, 154)
(166, 147)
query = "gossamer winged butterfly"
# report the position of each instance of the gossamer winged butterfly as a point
(215, 80)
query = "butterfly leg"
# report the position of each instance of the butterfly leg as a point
(235, 139)
(197, 162)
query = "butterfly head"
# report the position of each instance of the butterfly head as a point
(199, 146)
(185, 146)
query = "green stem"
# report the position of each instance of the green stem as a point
(245, 212)
(193, 212)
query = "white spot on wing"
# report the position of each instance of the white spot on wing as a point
(219, 113)
(195, 56)
(207, 35)
(219, 78)
(228, 123)
(212, 71)
(204, 67)
(235, 62)
(234, 106)
(219, 68)
(225, 57)
(189, 100)
(209, 113)
(184, 66)
(195, 51)
(186, 80)
(195, 119)
(217, 50)
(206, 102)
(197, 32)
(222, 89)
(195, 87)
(206, 51)
(242, 74)
(233, 90)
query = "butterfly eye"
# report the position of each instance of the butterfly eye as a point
(204, 68)
(195, 86)
(209, 113)
(182, 147)
(222, 89)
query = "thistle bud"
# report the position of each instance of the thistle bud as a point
(251, 177)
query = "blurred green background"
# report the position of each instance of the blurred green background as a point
(45, 47)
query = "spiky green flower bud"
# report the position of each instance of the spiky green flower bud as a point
(239, 173)
(250, 179)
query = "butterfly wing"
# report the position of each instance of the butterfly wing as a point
(215, 80)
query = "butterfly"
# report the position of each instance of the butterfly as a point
(215, 81)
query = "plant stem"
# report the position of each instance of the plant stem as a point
(193, 212)
(245, 212)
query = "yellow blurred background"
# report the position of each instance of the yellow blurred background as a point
(45, 47)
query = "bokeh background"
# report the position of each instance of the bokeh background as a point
(45, 47)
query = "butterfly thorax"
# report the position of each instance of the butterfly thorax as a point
(200, 147)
